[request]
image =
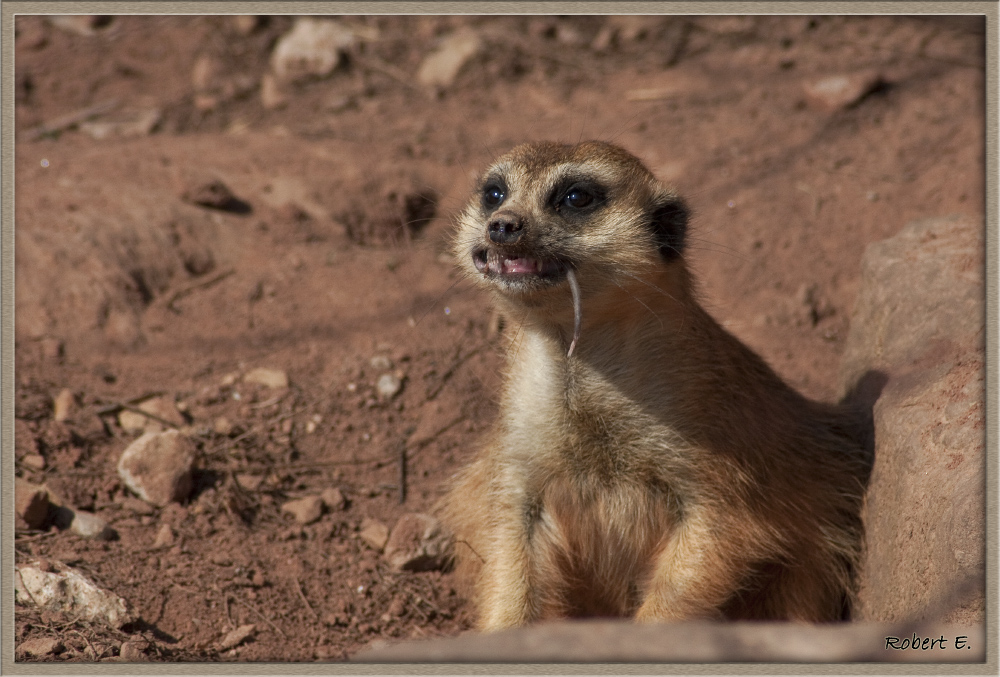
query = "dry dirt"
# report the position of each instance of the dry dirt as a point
(306, 269)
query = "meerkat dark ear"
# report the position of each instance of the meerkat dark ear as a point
(669, 221)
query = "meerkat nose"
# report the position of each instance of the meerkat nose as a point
(505, 229)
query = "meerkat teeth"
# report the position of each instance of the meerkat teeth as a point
(521, 265)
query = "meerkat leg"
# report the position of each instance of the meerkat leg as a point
(694, 575)
(521, 581)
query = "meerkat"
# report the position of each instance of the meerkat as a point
(646, 464)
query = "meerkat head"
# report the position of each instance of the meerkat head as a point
(546, 215)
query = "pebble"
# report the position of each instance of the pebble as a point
(52, 349)
(272, 95)
(205, 73)
(441, 67)
(271, 378)
(313, 48)
(333, 499)
(165, 537)
(222, 426)
(33, 461)
(380, 363)
(837, 92)
(211, 193)
(133, 650)
(158, 467)
(40, 646)
(397, 607)
(374, 533)
(31, 503)
(418, 543)
(245, 24)
(250, 482)
(124, 124)
(64, 405)
(388, 386)
(161, 407)
(305, 510)
(237, 636)
(80, 24)
(89, 525)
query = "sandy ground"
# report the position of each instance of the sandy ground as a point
(129, 285)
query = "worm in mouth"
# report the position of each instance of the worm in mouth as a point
(577, 311)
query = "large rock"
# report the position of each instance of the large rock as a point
(158, 467)
(53, 585)
(418, 542)
(916, 351)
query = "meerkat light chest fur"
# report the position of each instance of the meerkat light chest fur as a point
(646, 463)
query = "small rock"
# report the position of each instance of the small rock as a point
(388, 386)
(222, 426)
(64, 405)
(68, 591)
(305, 510)
(237, 636)
(221, 559)
(245, 24)
(418, 543)
(123, 124)
(380, 363)
(158, 467)
(205, 73)
(313, 48)
(272, 378)
(31, 503)
(212, 193)
(272, 95)
(40, 646)
(441, 67)
(161, 407)
(80, 24)
(52, 349)
(568, 36)
(133, 650)
(397, 607)
(165, 537)
(374, 533)
(33, 461)
(89, 525)
(841, 91)
(249, 482)
(333, 499)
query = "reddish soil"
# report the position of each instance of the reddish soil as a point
(307, 270)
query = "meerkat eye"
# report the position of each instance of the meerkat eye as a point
(577, 198)
(493, 195)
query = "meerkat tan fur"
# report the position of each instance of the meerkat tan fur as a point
(661, 470)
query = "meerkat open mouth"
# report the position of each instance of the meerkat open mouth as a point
(492, 262)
